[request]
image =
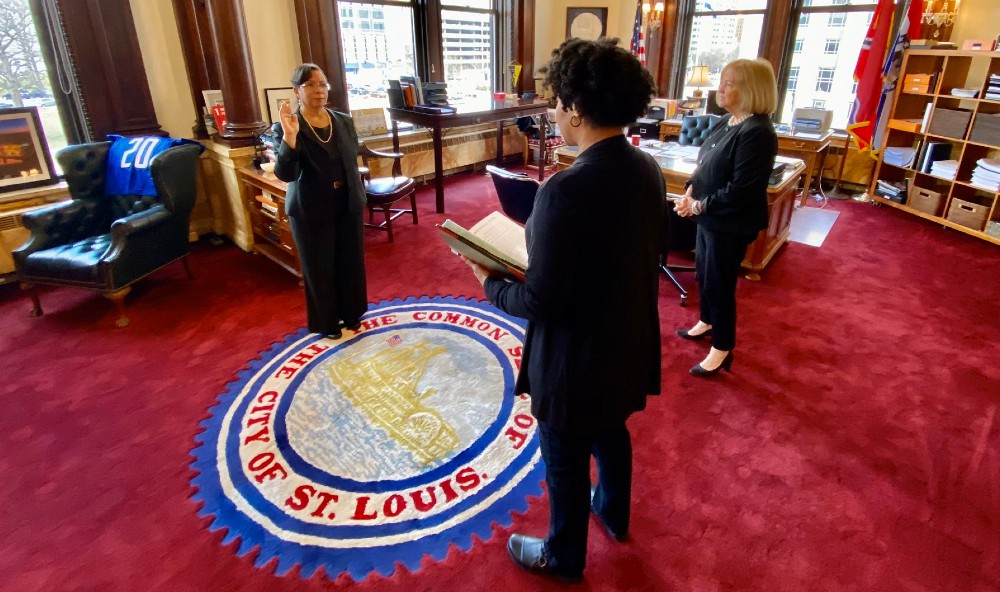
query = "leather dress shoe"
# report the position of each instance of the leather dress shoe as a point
(353, 324)
(530, 553)
(727, 364)
(615, 534)
(336, 334)
(686, 335)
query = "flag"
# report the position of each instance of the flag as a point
(638, 41)
(909, 28)
(868, 75)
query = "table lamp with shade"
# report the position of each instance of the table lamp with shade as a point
(699, 78)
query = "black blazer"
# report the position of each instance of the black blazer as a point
(592, 348)
(731, 179)
(306, 169)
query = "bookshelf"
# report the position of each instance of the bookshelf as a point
(921, 116)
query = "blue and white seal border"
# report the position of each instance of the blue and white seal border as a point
(254, 531)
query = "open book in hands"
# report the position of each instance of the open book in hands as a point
(496, 242)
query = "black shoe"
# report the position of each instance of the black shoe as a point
(684, 333)
(336, 334)
(531, 555)
(353, 325)
(726, 364)
(619, 536)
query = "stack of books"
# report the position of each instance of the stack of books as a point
(993, 90)
(891, 190)
(986, 175)
(435, 93)
(931, 152)
(946, 169)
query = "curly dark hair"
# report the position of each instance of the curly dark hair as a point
(606, 84)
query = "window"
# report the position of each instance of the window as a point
(793, 78)
(722, 31)
(468, 29)
(824, 80)
(383, 41)
(376, 49)
(824, 69)
(818, 104)
(24, 80)
(798, 46)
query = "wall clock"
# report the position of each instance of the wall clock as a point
(586, 23)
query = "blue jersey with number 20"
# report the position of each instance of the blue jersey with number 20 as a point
(128, 163)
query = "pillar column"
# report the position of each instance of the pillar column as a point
(239, 86)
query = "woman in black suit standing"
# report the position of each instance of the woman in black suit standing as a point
(325, 203)
(592, 347)
(727, 196)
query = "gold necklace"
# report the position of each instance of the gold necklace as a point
(329, 137)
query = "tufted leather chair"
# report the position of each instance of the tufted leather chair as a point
(108, 242)
(516, 192)
(695, 128)
(383, 192)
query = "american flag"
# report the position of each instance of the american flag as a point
(638, 40)
(394, 340)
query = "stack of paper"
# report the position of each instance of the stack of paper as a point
(946, 169)
(965, 92)
(986, 175)
(993, 90)
(899, 156)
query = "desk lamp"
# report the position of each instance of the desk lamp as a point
(699, 78)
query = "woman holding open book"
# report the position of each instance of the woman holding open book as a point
(727, 196)
(325, 202)
(592, 347)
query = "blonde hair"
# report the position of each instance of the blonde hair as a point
(755, 81)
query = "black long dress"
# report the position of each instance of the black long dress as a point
(325, 204)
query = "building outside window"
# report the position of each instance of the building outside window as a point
(824, 67)
(468, 33)
(793, 78)
(798, 46)
(818, 104)
(722, 31)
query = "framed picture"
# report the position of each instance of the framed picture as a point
(369, 122)
(24, 154)
(212, 98)
(586, 22)
(276, 97)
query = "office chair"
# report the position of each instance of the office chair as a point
(676, 234)
(695, 128)
(383, 192)
(516, 192)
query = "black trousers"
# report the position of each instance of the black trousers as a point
(717, 261)
(331, 251)
(567, 473)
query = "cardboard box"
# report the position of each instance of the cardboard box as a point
(917, 79)
(917, 88)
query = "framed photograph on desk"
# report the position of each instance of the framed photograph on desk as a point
(276, 97)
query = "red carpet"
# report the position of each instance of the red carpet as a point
(854, 447)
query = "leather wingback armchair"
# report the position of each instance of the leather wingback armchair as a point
(695, 128)
(107, 242)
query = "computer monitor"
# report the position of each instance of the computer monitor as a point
(713, 108)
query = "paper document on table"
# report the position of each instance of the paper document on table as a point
(807, 135)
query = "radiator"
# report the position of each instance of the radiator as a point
(12, 236)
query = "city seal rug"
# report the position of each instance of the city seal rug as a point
(392, 442)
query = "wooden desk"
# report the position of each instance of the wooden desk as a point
(670, 129)
(497, 111)
(780, 203)
(809, 150)
(272, 235)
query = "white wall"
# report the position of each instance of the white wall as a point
(274, 49)
(550, 23)
(160, 44)
(977, 19)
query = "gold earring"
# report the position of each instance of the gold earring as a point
(575, 121)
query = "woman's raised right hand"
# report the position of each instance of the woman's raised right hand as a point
(289, 123)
